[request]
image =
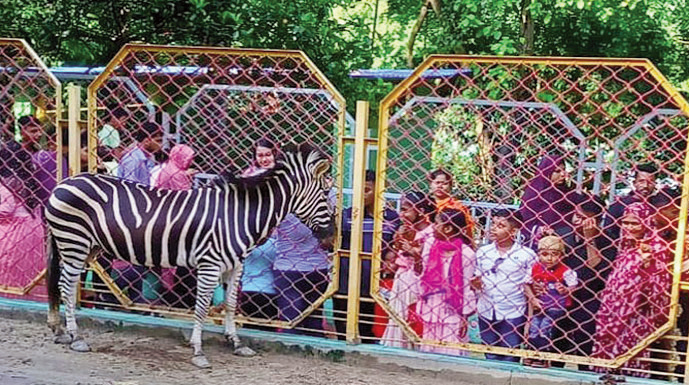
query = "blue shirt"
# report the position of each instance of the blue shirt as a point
(258, 274)
(136, 166)
(391, 222)
(297, 248)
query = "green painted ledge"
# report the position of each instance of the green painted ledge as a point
(471, 369)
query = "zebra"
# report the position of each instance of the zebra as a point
(211, 228)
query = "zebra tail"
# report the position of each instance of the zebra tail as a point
(53, 274)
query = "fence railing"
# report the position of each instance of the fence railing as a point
(412, 266)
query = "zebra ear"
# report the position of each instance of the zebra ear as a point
(321, 167)
(290, 148)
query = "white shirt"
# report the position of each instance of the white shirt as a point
(155, 174)
(503, 277)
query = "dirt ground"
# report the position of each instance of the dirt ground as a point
(28, 356)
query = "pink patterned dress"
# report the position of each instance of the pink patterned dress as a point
(636, 299)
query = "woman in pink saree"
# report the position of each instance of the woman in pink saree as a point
(22, 254)
(636, 298)
(175, 174)
(22, 234)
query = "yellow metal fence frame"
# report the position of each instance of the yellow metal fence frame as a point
(463, 60)
(92, 108)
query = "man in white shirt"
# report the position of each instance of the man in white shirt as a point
(502, 267)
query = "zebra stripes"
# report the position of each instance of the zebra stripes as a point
(210, 229)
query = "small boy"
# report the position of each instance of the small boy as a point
(502, 267)
(549, 289)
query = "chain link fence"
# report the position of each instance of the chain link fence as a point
(30, 105)
(518, 209)
(181, 117)
(540, 212)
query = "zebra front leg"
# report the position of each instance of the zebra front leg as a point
(69, 280)
(231, 292)
(207, 278)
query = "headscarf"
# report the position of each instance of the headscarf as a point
(433, 280)
(454, 204)
(544, 203)
(173, 174)
(642, 211)
(645, 214)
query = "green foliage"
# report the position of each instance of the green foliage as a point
(339, 35)
(455, 148)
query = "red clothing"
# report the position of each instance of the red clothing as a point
(380, 317)
(541, 274)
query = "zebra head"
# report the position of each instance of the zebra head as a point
(310, 168)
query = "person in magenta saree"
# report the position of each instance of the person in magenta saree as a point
(636, 298)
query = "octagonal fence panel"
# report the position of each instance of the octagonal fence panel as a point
(187, 117)
(30, 105)
(539, 212)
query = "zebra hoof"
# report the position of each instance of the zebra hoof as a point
(79, 345)
(63, 339)
(244, 351)
(201, 362)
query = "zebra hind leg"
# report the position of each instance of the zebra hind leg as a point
(231, 292)
(69, 280)
(207, 278)
(53, 286)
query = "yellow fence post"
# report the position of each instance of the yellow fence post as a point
(74, 160)
(73, 113)
(353, 296)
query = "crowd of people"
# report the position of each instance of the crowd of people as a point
(561, 274)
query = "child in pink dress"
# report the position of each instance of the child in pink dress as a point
(176, 174)
(415, 208)
(445, 297)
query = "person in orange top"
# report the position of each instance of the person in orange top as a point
(441, 191)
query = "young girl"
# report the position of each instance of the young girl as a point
(415, 208)
(441, 183)
(445, 297)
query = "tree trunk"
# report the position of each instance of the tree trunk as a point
(415, 31)
(527, 28)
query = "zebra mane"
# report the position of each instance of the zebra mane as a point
(234, 178)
